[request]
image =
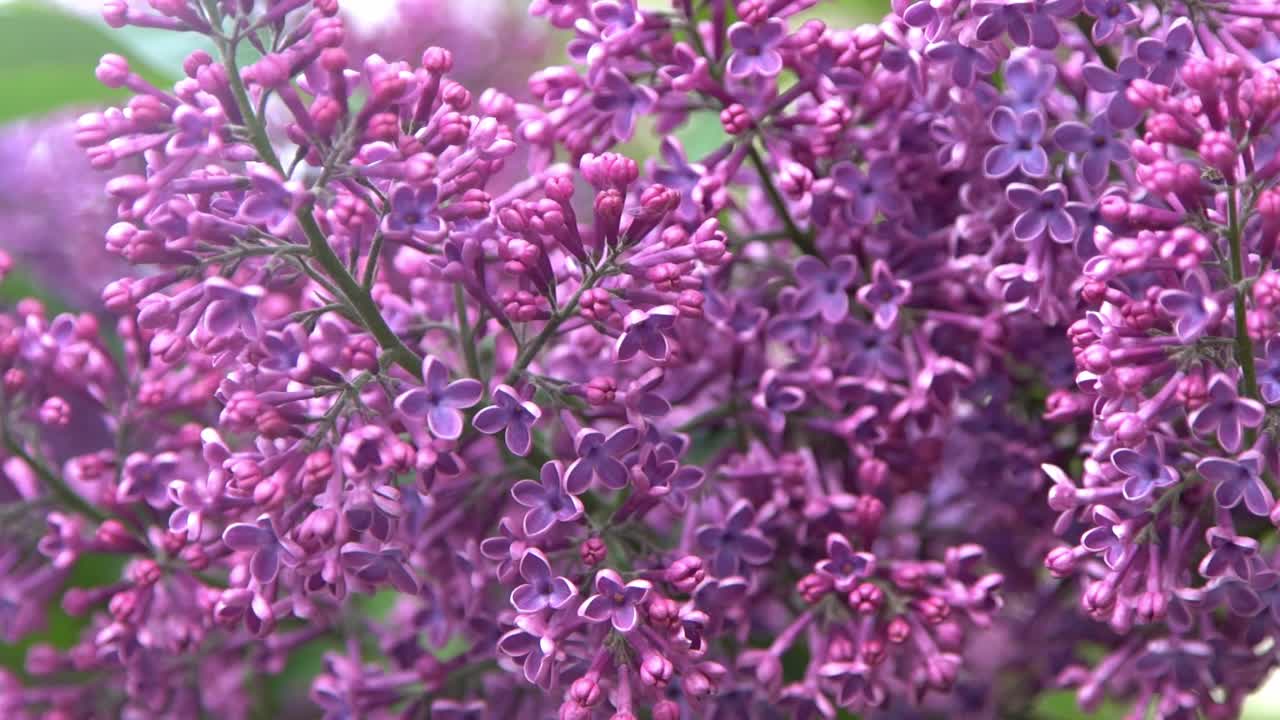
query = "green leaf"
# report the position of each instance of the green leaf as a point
(47, 61)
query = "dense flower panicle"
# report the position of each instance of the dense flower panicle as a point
(763, 428)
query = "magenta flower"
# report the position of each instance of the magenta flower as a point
(615, 602)
(440, 401)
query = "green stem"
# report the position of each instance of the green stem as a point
(802, 239)
(1244, 344)
(465, 332)
(66, 496)
(530, 351)
(354, 293)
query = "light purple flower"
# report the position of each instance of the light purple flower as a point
(647, 332)
(1109, 538)
(1109, 16)
(147, 477)
(1101, 79)
(967, 62)
(1144, 470)
(1228, 552)
(1018, 144)
(1238, 480)
(867, 192)
(1269, 373)
(1041, 211)
(623, 101)
(1226, 413)
(598, 457)
(1194, 308)
(615, 602)
(542, 588)
(231, 308)
(824, 290)
(440, 401)
(267, 547)
(1165, 57)
(776, 399)
(547, 500)
(272, 202)
(1098, 144)
(412, 212)
(513, 414)
(755, 49)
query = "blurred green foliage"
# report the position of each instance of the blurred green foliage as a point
(47, 59)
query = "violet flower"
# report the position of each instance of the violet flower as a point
(440, 401)
(542, 588)
(615, 602)
(548, 501)
(512, 414)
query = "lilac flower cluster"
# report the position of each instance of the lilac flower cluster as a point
(765, 431)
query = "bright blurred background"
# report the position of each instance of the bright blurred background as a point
(53, 212)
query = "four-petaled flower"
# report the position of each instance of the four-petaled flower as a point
(735, 543)
(440, 401)
(823, 289)
(1042, 210)
(615, 602)
(1019, 145)
(547, 500)
(1194, 308)
(1144, 471)
(1110, 537)
(1226, 413)
(755, 48)
(1165, 57)
(624, 101)
(1238, 480)
(512, 413)
(1097, 143)
(866, 193)
(412, 213)
(1120, 111)
(884, 295)
(844, 566)
(542, 588)
(1228, 551)
(647, 332)
(598, 457)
